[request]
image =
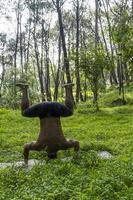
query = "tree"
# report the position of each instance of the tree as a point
(58, 5)
(93, 65)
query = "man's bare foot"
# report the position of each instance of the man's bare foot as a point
(22, 85)
(68, 85)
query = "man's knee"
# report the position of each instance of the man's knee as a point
(34, 146)
(27, 146)
(71, 144)
(28, 112)
(25, 113)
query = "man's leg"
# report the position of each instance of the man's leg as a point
(32, 146)
(70, 144)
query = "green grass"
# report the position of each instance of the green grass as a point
(86, 177)
(112, 94)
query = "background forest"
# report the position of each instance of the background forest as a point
(49, 43)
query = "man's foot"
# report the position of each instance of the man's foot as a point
(26, 153)
(68, 85)
(22, 85)
(26, 162)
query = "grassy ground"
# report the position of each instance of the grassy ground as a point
(83, 178)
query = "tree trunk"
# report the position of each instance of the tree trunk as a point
(27, 51)
(78, 86)
(66, 60)
(58, 71)
(126, 73)
(37, 60)
(112, 73)
(95, 78)
(48, 92)
(15, 59)
(21, 47)
(2, 75)
(42, 60)
(85, 89)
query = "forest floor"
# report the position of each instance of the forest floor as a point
(86, 177)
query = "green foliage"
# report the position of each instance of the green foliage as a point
(92, 63)
(122, 35)
(84, 177)
(111, 94)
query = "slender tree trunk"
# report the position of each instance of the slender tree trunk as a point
(21, 47)
(15, 58)
(85, 89)
(58, 71)
(48, 92)
(126, 73)
(113, 75)
(27, 51)
(42, 60)
(110, 79)
(66, 60)
(95, 78)
(120, 76)
(39, 69)
(78, 86)
(2, 75)
(37, 58)
(132, 7)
